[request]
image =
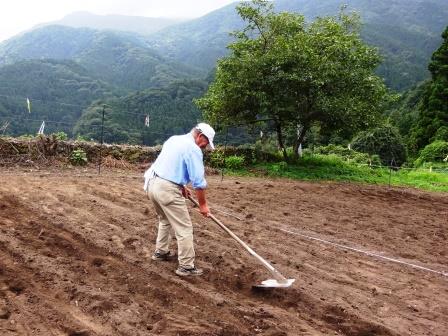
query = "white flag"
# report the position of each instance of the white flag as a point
(28, 103)
(41, 129)
(147, 120)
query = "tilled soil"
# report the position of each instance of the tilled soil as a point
(75, 260)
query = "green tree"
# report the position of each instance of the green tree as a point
(384, 141)
(296, 74)
(433, 118)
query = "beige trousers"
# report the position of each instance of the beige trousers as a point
(173, 214)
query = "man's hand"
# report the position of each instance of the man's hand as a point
(185, 192)
(204, 210)
(203, 207)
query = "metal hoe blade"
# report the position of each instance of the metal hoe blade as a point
(272, 283)
(279, 280)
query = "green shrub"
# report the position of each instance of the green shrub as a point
(384, 141)
(234, 162)
(279, 167)
(216, 158)
(81, 138)
(441, 134)
(347, 154)
(78, 157)
(268, 145)
(60, 136)
(434, 152)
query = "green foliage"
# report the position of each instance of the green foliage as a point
(122, 59)
(268, 144)
(60, 136)
(404, 31)
(279, 167)
(234, 162)
(216, 158)
(432, 121)
(334, 168)
(404, 111)
(347, 154)
(385, 141)
(78, 157)
(434, 152)
(293, 73)
(58, 92)
(170, 109)
(81, 138)
(441, 134)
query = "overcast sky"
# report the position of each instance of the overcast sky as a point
(19, 15)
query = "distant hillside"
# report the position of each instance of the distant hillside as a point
(405, 111)
(58, 91)
(170, 108)
(406, 31)
(135, 24)
(199, 42)
(121, 59)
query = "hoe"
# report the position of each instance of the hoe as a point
(278, 281)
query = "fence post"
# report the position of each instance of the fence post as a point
(102, 138)
(390, 174)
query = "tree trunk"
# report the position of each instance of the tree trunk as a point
(280, 140)
(298, 140)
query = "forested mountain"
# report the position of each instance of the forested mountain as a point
(136, 24)
(404, 112)
(170, 110)
(121, 59)
(58, 91)
(199, 42)
(421, 113)
(406, 31)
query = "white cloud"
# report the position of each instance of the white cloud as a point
(19, 15)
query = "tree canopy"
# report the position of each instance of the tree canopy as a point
(432, 122)
(296, 74)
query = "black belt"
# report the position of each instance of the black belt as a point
(179, 185)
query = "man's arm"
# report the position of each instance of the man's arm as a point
(203, 207)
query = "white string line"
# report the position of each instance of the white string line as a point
(367, 253)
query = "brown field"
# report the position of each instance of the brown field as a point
(75, 260)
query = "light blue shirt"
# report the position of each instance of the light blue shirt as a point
(180, 161)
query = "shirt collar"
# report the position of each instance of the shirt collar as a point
(191, 137)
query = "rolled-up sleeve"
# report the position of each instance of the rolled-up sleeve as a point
(195, 168)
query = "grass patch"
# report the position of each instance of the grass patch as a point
(332, 168)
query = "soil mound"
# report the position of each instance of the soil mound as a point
(75, 260)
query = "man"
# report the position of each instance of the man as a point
(179, 163)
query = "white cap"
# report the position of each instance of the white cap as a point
(208, 131)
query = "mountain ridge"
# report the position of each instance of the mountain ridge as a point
(136, 24)
(202, 41)
(121, 58)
